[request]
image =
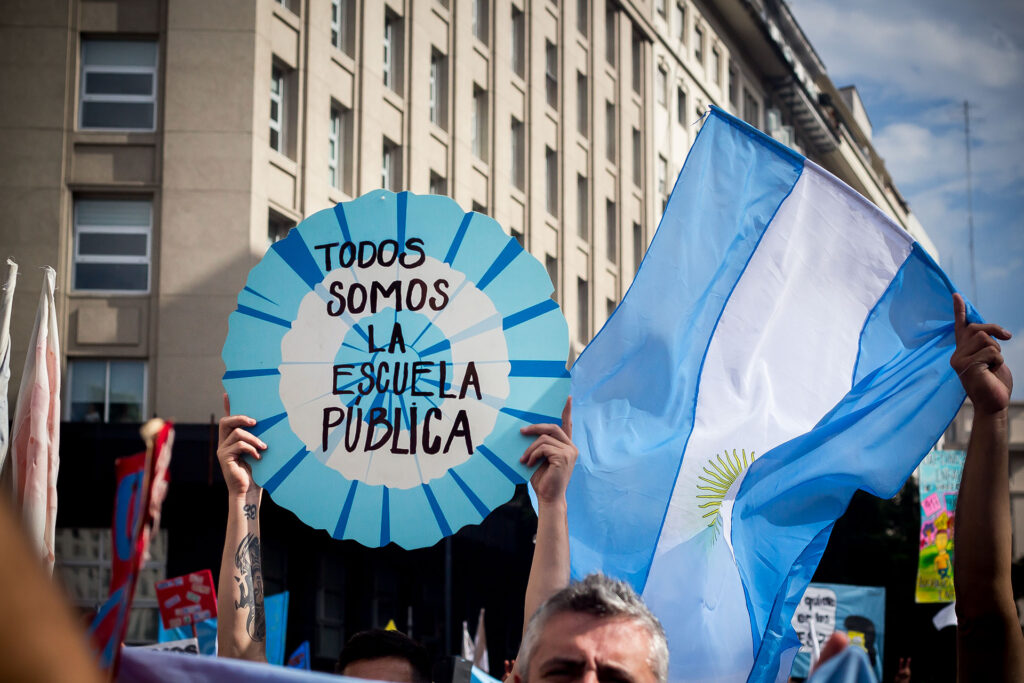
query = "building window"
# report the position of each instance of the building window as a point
(681, 106)
(551, 173)
(751, 109)
(609, 308)
(609, 33)
(479, 208)
(338, 146)
(278, 227)
(698, 44)
(582, 310)
(611, 230)
(582, 16)
(638, 246)
(551, 73)
(662, 175)
(661, 86)
(392, 68)
(438, 184)
(390, 165)
(118, 90)
(716, 66)
(518, 154)
(518, 236)
(660, 4)
(582, 207)
(480, 16)
(680, 22)
(480, 122)
(342, 22)
(638, 62)
(733, 86)
(582, 105)
(638, 156)
(518, 42)
(106, 391)
(112, 238)
(439, 89)
(551, 265)
(609, 131)
(277, 109)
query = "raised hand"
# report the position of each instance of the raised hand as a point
(978, 360)
(235, 442)
(554, 450)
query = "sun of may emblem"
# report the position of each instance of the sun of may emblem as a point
(718, 477)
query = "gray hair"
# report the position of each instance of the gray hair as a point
(600, 596)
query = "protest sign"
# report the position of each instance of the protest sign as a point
(275, 610)
(300, 658)
(391, 348)
(858, 611)
(206, 633)
(938, 484)
(186, 599)
(188, 646)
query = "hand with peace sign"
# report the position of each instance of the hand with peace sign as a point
(978, 360)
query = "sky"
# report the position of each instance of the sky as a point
(914, 62)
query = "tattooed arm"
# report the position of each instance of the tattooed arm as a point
(241, 627)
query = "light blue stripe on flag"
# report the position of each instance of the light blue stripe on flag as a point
(634, 386)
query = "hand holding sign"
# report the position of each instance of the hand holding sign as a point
(390, 350)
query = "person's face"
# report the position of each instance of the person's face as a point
(584, 647)
(381, 669)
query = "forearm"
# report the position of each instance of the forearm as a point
(549, 572)
(990, 646)
(241, 627)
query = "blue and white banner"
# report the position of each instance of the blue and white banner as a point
(783, 344)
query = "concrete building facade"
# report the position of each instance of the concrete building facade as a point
(153, 149)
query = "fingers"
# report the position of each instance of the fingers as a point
(229, 423)
(546, 450)
(567, 417)
(835, 644)
(227, 404)
(240, 441)
(550, 429)
(959, 314)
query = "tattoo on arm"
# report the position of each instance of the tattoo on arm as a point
(249, 562)
(250, 511)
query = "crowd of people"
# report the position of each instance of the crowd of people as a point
(598, 628)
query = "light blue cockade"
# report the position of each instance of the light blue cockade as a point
(390, 350)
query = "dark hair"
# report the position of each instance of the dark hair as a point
(378, 643)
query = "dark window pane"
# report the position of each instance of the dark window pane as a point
(118, 84)
(117, 115)
(112, 276)
(111, 244)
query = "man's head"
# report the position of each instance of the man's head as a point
(384, 656)
(597, 626)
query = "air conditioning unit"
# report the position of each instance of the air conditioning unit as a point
(774, 120)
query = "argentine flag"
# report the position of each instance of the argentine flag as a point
(783, 344)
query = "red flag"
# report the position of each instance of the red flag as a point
(141, 488)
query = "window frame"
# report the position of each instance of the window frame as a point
(110, 259)
(84, 97)
(106, 386)
(278, 75)
(334, 137)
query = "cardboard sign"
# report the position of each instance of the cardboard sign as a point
(938, 484)
(188, 646)
(186, 599)
(391, 348)
(858, 611)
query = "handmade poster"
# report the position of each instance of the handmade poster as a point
(391, 348)
(206, 632)
(300, 658)
(938, 484)
(186, 599)
(187, 646)
(858, 611)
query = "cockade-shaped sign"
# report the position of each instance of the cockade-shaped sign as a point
(390, 349)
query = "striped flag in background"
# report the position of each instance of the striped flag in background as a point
(6, 304)
(35, 433)
(783, 344)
